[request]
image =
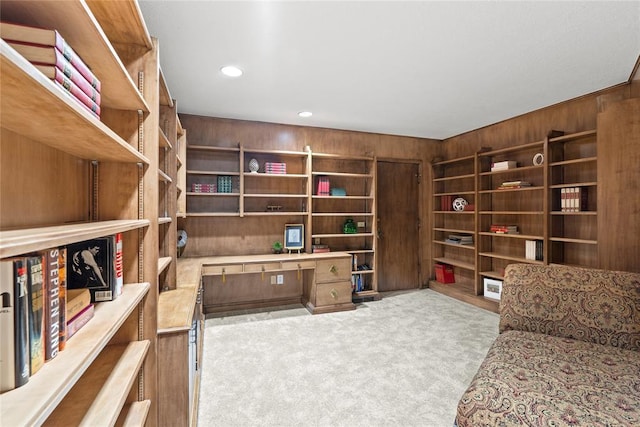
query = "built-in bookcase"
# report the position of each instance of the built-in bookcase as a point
(67, 177)
(529, 197)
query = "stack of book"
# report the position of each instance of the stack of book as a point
(323, 187)
(320, 248)
(204, 188)
(275, 168)
(459, 239)
(504, 165)
(504, 229)
(510, 185)
(225, 184)
(446, 202)
(533, 250)
(79, 310)
(49, 53)
(573, 199)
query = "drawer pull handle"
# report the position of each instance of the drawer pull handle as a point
(334, 293)
(333, 269)
(263, 272)
(224, 278)
(299, 272)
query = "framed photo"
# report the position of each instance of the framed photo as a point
(492, 288)
(293, 237)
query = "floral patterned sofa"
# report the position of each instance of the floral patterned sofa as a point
(568, 352)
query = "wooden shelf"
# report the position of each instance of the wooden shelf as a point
(116, 370)
(25, 91)
(164, 220)
(33, 403)
(213, 148)
(164, 141)
(163, 263)
(76, 21)
(213, 172)
(511, 235)
(20, 241)
(455, 263)
(342, 214)
(455, 177)
(343, 174)
(135, 414)
(122, 23)
(569, 240)
(573, 136)
(455, 245)
(510, 258)
(574, 161)
(190, 193)
(276, 196)
(165, 95)
(162, 176)
(507, 190)
(274, 175)
(341, 235)
(464, 293)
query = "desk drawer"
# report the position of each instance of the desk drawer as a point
(298, 265)
(265, 266)
(333, 293)
(333, 270)
(219, 270)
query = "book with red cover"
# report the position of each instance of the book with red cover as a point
(82, 98)
(63, 70)
(24, 35)
(80, 320)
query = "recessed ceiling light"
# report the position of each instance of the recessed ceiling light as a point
(231, 71)
(305, 114)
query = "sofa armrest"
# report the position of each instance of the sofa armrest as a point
(591, 305)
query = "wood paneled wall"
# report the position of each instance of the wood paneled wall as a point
(614, 113)
(254, 235)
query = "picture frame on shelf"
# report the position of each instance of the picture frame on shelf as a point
(294, 237)
(492, 288)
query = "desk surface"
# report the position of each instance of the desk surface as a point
(175, 307)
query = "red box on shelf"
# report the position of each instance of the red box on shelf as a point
(444, 273)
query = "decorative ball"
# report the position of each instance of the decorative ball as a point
(459, 204)
(254, 166)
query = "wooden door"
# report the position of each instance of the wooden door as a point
(398, 263)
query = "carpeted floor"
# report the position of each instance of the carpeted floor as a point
(402, 361)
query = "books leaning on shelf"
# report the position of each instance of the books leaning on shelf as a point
(504, 229)
(35, 279)
(504, 165)
(460, 239)
(14, 324)
(533, 250)
(446, 202)
(573, 199)
(509, 185)
(79, 320)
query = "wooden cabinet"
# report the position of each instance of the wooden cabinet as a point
(331, 287)
(67, 177)
(352, 189)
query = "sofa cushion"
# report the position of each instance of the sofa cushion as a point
(597, 306)
(535, 379)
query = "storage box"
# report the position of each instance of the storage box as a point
(492, 288)
(444, 273)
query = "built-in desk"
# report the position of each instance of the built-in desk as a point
(321, 281)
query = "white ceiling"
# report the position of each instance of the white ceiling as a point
(417, 68)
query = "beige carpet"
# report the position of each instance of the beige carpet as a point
(402, 361)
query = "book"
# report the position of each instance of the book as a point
(533, 250)
(82, 98)
(52, 304)
(63, 71)
(62, 279)
(35, 275)
(117, 263)
(504, 165)
(323, 186)
(80, 320)
(91, 266)
(14, 361)
(25, 35)
(77, 300)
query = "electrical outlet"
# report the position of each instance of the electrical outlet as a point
(273, 280)
(361, 224)
(280, 279)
